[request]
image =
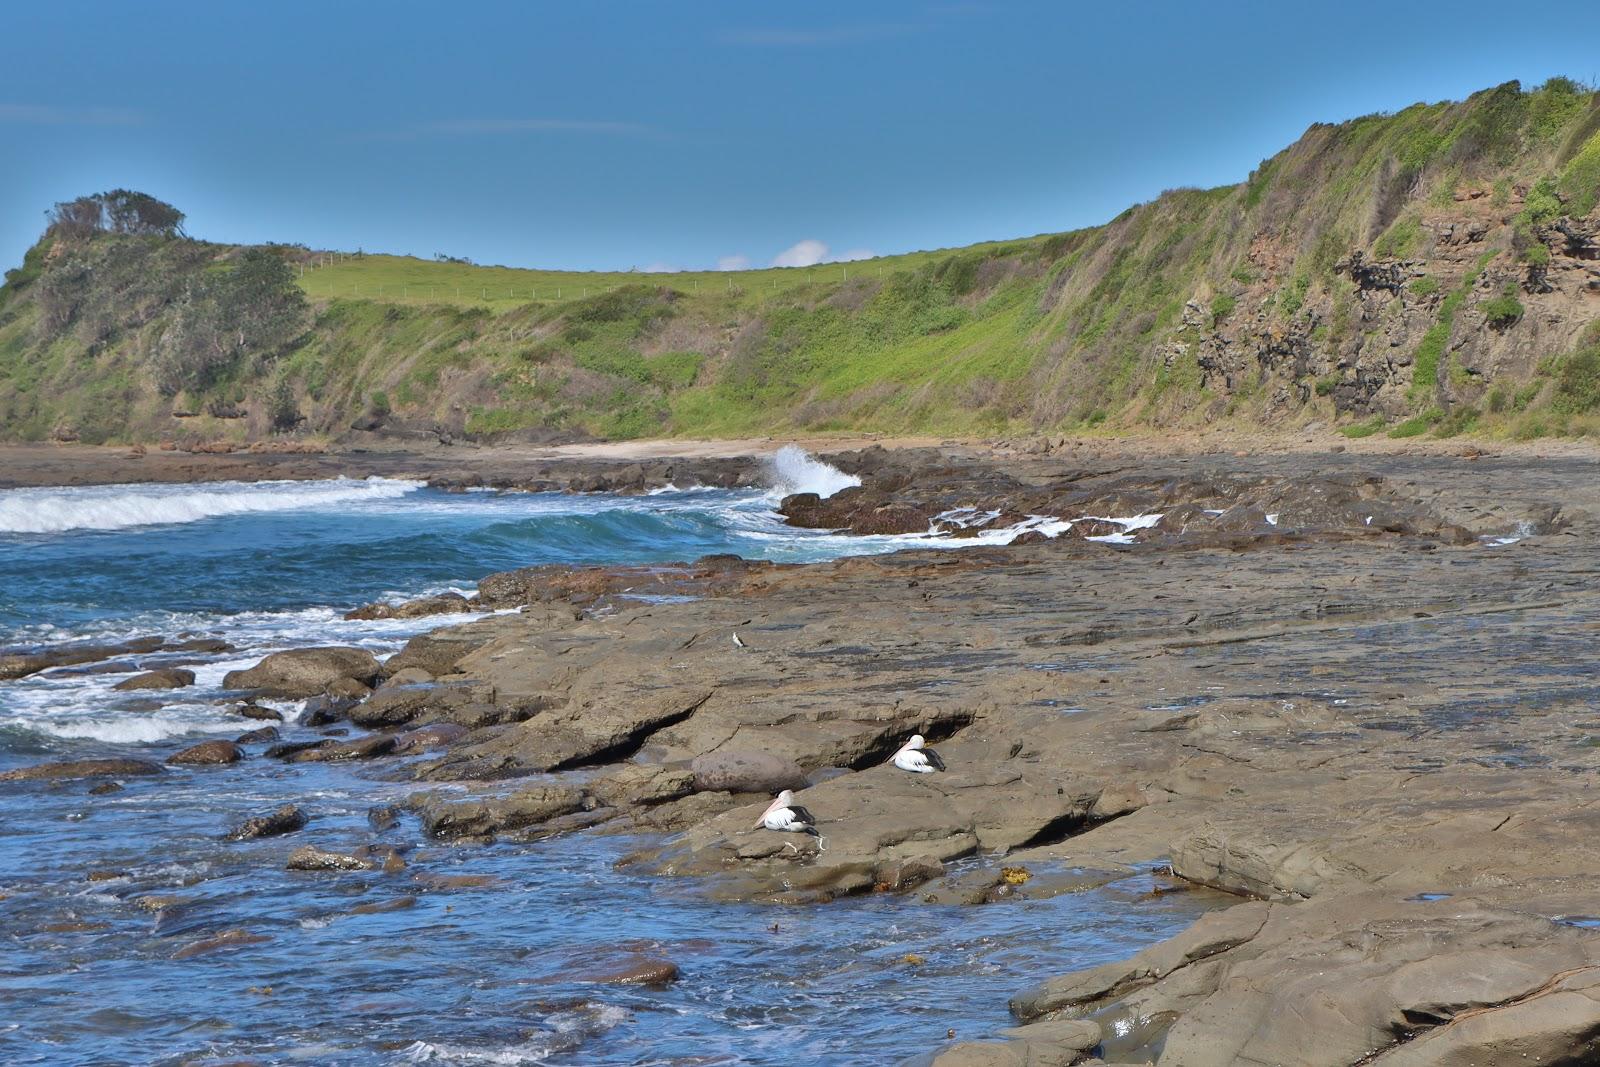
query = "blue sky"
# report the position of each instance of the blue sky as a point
(608, 135)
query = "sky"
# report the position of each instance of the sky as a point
(606, 135)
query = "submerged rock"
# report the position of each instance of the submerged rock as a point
(225, 940)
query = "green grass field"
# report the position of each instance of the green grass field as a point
(409, 280)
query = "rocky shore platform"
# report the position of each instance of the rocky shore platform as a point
(1359, 694)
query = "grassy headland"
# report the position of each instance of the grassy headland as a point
(1429, 271)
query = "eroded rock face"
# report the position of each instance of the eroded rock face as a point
(306, 672)
(1364, 977)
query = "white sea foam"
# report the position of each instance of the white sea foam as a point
(119, 507)
(794, 470)
(530, 1052)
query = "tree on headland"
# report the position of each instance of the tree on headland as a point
(120, 211)
(254, 309)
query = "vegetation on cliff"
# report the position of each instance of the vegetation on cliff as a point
(1435, 270)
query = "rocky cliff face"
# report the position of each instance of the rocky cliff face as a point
(1360, 345)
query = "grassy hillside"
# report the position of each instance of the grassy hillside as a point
(1432, 271)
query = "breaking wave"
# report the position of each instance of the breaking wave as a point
(794, 470)
(119, 507)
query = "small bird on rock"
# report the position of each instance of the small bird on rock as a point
(917, 757)
(737, 642)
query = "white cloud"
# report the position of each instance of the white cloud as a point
(733, 263)
(807, 253)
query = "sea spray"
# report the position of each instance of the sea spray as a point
(794, 470)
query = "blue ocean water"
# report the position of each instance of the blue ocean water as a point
(102, 893)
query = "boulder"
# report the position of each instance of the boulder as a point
(257, 737)
(256, 711)
(306, 672)
(208, 753)
(286, 820)
(166, 678)
(83, 768)
(735, 771)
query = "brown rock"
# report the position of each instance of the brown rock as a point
(312, 858)
(207, 753)
(286, 820)
(166, 678)
(735, 771)
(225, 940)
(448, 815)
(638, 970)
(369, 747)
(442, 604)
(256, 711)
(85, 768)
(306, 672)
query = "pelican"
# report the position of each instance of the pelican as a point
(787, 817)
(916, 757)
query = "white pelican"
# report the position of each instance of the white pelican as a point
(917, 757)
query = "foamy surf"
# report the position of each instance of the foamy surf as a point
(794, 470)
(120, 507)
